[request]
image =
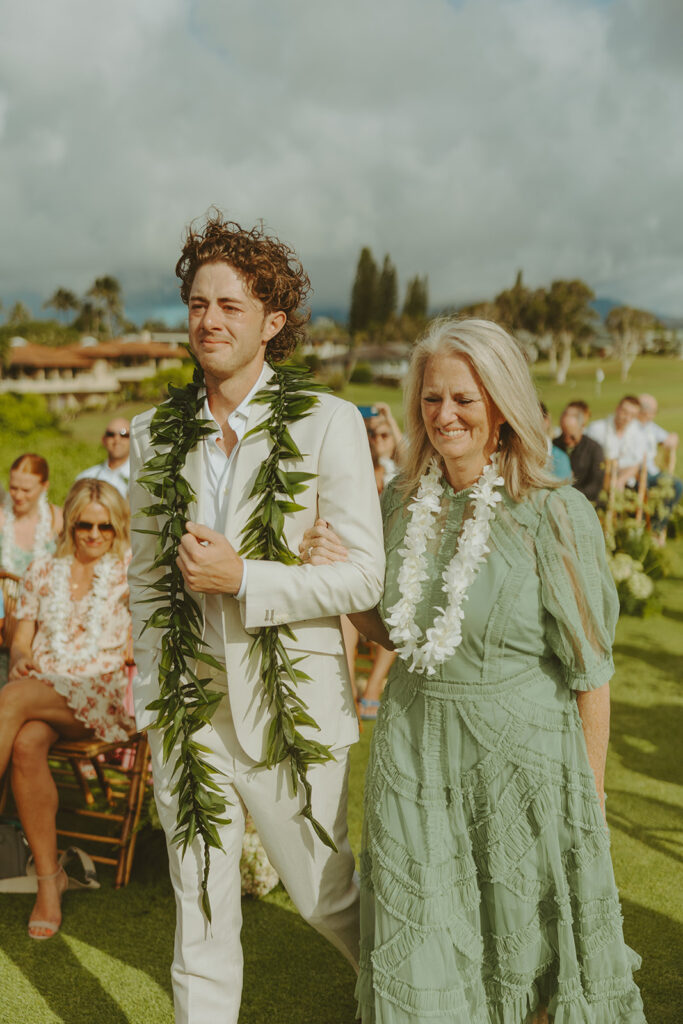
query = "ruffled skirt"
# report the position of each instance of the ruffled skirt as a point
(487, 889)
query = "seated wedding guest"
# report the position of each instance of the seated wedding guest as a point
(115, 469)
(67, 670)
(654, 437)
(385, 437)
(29, 524)
(586, 456)
(621, 438)
(559, 464)
(487, 888)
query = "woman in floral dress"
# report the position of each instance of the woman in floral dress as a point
(487, 889)
(67, 669)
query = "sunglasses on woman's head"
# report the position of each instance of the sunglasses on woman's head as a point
(84, 525)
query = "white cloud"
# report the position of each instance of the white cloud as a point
(466, 139)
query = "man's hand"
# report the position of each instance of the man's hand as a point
(208, 561)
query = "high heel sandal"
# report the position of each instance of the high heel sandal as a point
(48, 926)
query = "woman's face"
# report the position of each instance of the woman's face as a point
(460, 419)
(93, 532)
(24, 490)
(381, 438)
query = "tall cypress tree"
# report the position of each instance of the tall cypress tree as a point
(363, 292)
(416, 300)
(387, 291)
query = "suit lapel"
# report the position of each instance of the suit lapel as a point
(252, 452)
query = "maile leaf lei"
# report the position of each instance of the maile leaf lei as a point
(185, 704)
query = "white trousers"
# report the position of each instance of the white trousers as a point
(207, 964)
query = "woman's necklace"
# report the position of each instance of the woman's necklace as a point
(10, 558)
(60, 645)
(445, 635)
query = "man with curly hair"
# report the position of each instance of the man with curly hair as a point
(244, 291)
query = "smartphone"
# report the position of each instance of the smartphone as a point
(367, 411)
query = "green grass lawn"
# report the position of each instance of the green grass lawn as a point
(109, 964)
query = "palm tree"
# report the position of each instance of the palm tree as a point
(107, 291)
(63, 300)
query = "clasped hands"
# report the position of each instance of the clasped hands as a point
(208, 561)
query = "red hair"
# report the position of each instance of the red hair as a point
(32, 463)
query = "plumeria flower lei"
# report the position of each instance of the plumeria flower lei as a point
(59, 606)
(445, 635)
(41, 539)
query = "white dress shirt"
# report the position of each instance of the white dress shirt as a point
(654, 436)
(627, 448)
(219, 471)
(118, 477)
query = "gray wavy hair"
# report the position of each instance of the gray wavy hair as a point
(498, 363)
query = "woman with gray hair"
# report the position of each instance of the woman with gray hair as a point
(487, 890)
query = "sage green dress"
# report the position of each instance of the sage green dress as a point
(487, 889)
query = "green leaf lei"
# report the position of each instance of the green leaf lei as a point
(184, 704)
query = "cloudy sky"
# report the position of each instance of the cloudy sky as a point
(467, 138)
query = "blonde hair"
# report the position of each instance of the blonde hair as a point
(498, 363)
(83, 493)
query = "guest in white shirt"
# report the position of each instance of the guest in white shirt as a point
(654, 436)
(115, 469)
(621, 438)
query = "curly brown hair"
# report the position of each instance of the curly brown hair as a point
(271, 269)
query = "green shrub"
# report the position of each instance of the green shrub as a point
(362, 374)
(155, 389)
(23, 414)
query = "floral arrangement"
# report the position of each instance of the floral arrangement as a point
(636, 563)
(257, 873)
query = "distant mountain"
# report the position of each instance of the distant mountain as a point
(602, 306)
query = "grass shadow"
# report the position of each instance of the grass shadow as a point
(643, 737)
(658, 939)
(654, 823)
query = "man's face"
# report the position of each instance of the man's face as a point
(571, 425)
(648, 411)
(228, 325)
(116, 439)
(624, 413)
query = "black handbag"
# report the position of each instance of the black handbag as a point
(14, 851)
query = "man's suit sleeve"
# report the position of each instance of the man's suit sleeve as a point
(140, 571)
(347, 499)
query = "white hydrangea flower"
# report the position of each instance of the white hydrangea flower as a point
(641, 586)
(622, 566)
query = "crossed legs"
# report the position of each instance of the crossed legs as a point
(32, 717)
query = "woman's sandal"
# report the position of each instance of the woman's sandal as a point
(49, 927)
(368, 709)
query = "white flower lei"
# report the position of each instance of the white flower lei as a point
(59, 606)
(41, 538)
(445, 634)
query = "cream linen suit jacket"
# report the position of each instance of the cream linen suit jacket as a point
(334, 445)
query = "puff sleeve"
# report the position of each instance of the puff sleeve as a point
(577, 589)
(28, 601)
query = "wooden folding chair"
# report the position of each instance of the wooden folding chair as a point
(642, 490)
(122, 787)
(9, 584)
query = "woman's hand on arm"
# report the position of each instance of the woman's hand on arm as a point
(21, 655)
(321, 546)
(593, 708)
